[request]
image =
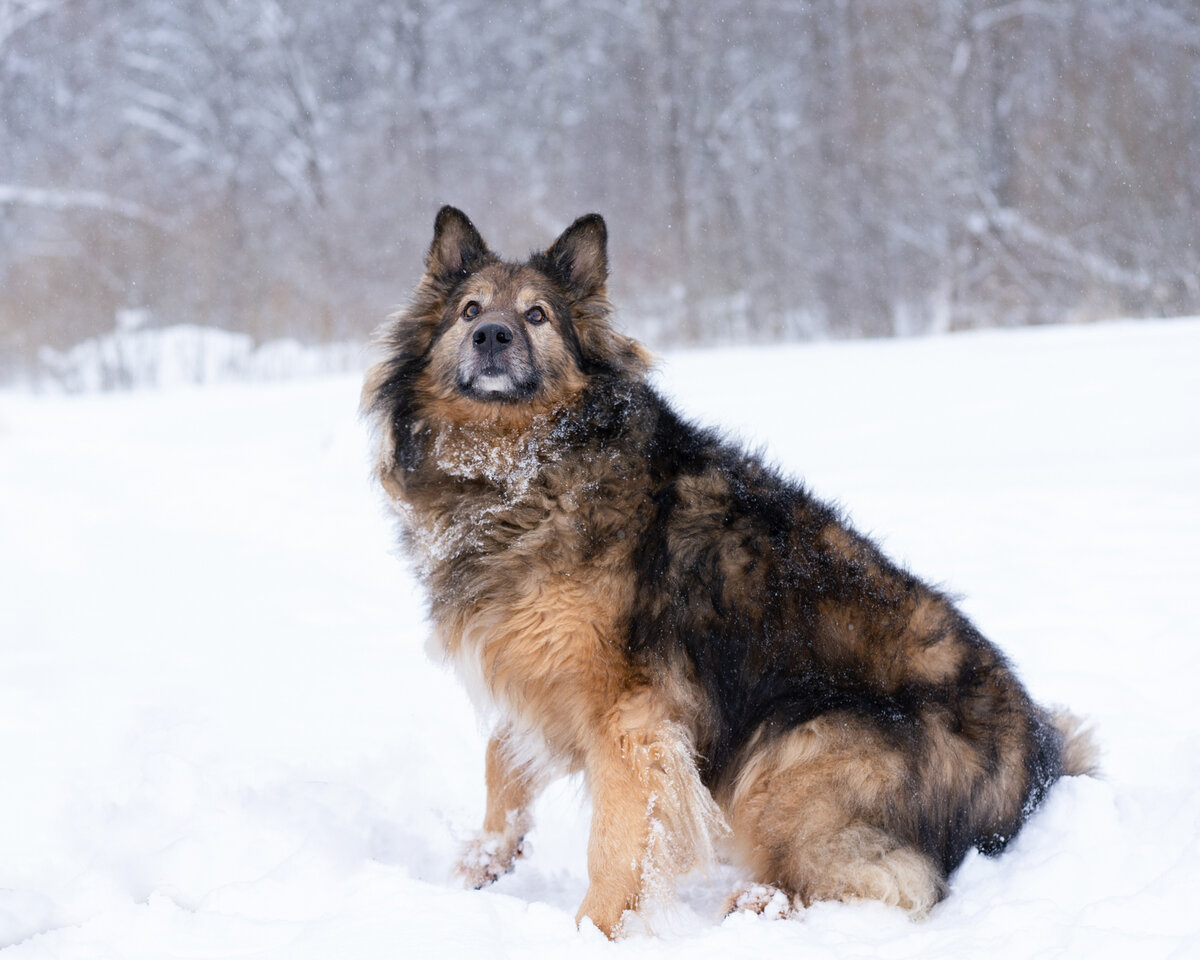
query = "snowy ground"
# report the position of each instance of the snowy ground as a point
(220, 734)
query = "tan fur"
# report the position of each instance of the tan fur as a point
(554, 630)
(511, 789)
(934, 654)
(698, 497)
(1081, 753)
(925, 646)
(802, 811)
(845, 543)
(653, 819)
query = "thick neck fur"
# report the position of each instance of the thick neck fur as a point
(479, 499)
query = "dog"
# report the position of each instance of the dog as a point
(733, 669)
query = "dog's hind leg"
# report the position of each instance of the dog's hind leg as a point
(857, 861)
(512, 786)
(652, 819)
(814, 813)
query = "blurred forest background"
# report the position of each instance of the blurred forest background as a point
(777, 168)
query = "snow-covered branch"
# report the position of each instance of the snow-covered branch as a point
(66, 200)
(15, 15)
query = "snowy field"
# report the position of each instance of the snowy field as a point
(220, 735)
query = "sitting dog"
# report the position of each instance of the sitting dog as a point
(717, 651)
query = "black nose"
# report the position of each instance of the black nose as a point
(492, 337)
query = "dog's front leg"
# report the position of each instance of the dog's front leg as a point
(511, 789)
(652, 819)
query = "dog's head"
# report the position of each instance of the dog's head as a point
(492, 340)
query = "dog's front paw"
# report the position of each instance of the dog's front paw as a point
(489, 857)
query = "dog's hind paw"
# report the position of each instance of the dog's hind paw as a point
(763, 899)
(489, 857)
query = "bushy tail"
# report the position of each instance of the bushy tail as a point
(1080, 752)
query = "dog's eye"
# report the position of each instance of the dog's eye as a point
(470, 311)
(535, 315)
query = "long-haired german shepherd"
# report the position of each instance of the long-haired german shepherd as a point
(716, 650)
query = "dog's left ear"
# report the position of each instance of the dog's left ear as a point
(580, 255)
(580, 259)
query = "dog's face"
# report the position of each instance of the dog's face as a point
(508, 338)
(495, 341)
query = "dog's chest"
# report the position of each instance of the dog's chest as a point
(547, 657)
(529, 584)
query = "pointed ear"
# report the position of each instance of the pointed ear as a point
(580, 255)
(456, 244)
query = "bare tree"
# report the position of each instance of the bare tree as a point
(797, 168)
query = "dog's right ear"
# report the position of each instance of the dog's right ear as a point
(456, 247)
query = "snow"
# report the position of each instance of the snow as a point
(172, 356)
(221, 736)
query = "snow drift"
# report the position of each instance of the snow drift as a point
(221, 735)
